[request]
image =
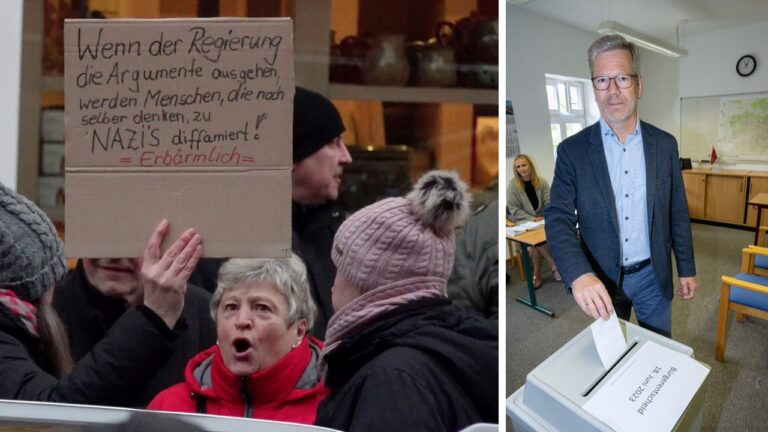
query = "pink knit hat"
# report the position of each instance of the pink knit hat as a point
(407, 238)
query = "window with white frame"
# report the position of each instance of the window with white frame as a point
(568, 115)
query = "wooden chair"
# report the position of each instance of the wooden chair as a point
(744, 293)
(761, 261)
(515, 256)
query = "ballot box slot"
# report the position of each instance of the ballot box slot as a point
(605, 374)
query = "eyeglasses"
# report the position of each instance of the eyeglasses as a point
(622, 81)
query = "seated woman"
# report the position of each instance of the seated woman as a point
(35, 363)
(400, 355)
(264, 364)
(527, 196)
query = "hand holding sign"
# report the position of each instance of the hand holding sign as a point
(165, 277)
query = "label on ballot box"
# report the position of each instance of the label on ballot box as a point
(649, 392)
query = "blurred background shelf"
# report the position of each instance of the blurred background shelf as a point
(52, 84)
(472, 96)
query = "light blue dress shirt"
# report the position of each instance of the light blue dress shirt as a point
(626, 167)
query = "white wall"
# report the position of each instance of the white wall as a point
(537, 45)
(10, 80)
(710, 67)
(660, 103)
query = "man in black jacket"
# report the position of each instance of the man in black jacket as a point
(319, 157)
(94, 295)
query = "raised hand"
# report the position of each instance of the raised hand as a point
(165, 276)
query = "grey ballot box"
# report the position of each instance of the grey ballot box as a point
(553, 395)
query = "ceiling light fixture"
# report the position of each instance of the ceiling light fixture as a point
(640, 39)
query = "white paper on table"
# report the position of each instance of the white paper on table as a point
(523, 227)
(649, 392)
(609, 339)
(531, 225)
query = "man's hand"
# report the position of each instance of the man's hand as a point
(591, 296)
(165, 277)
(687, 288)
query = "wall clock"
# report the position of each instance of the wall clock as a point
(746, 65)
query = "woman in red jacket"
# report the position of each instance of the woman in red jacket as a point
(264, 364)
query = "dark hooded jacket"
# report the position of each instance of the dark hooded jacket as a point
(140, 339)
(89, 316)
(313, 231)
(474, 282)
(425, 366)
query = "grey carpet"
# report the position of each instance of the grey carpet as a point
(737, 389)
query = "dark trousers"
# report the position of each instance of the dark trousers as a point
(642, 291)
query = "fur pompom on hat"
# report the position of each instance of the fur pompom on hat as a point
(316, 122)
(31, 254)
(402, 239)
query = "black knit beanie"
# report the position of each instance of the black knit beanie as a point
(31, 254)
(316, 122)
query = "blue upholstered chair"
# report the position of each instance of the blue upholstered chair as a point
(745, 293)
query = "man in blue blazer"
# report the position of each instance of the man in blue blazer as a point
(617, 205)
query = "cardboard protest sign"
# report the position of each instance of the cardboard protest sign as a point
(188, 119)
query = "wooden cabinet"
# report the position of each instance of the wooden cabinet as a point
(695, 189)
(758, 183)
(724, 200)
(722, 196)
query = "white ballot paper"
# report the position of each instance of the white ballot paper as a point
(609, 339)
(649, 392)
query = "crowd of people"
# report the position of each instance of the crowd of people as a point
(354, 326)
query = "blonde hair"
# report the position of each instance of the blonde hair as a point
(519, 184)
